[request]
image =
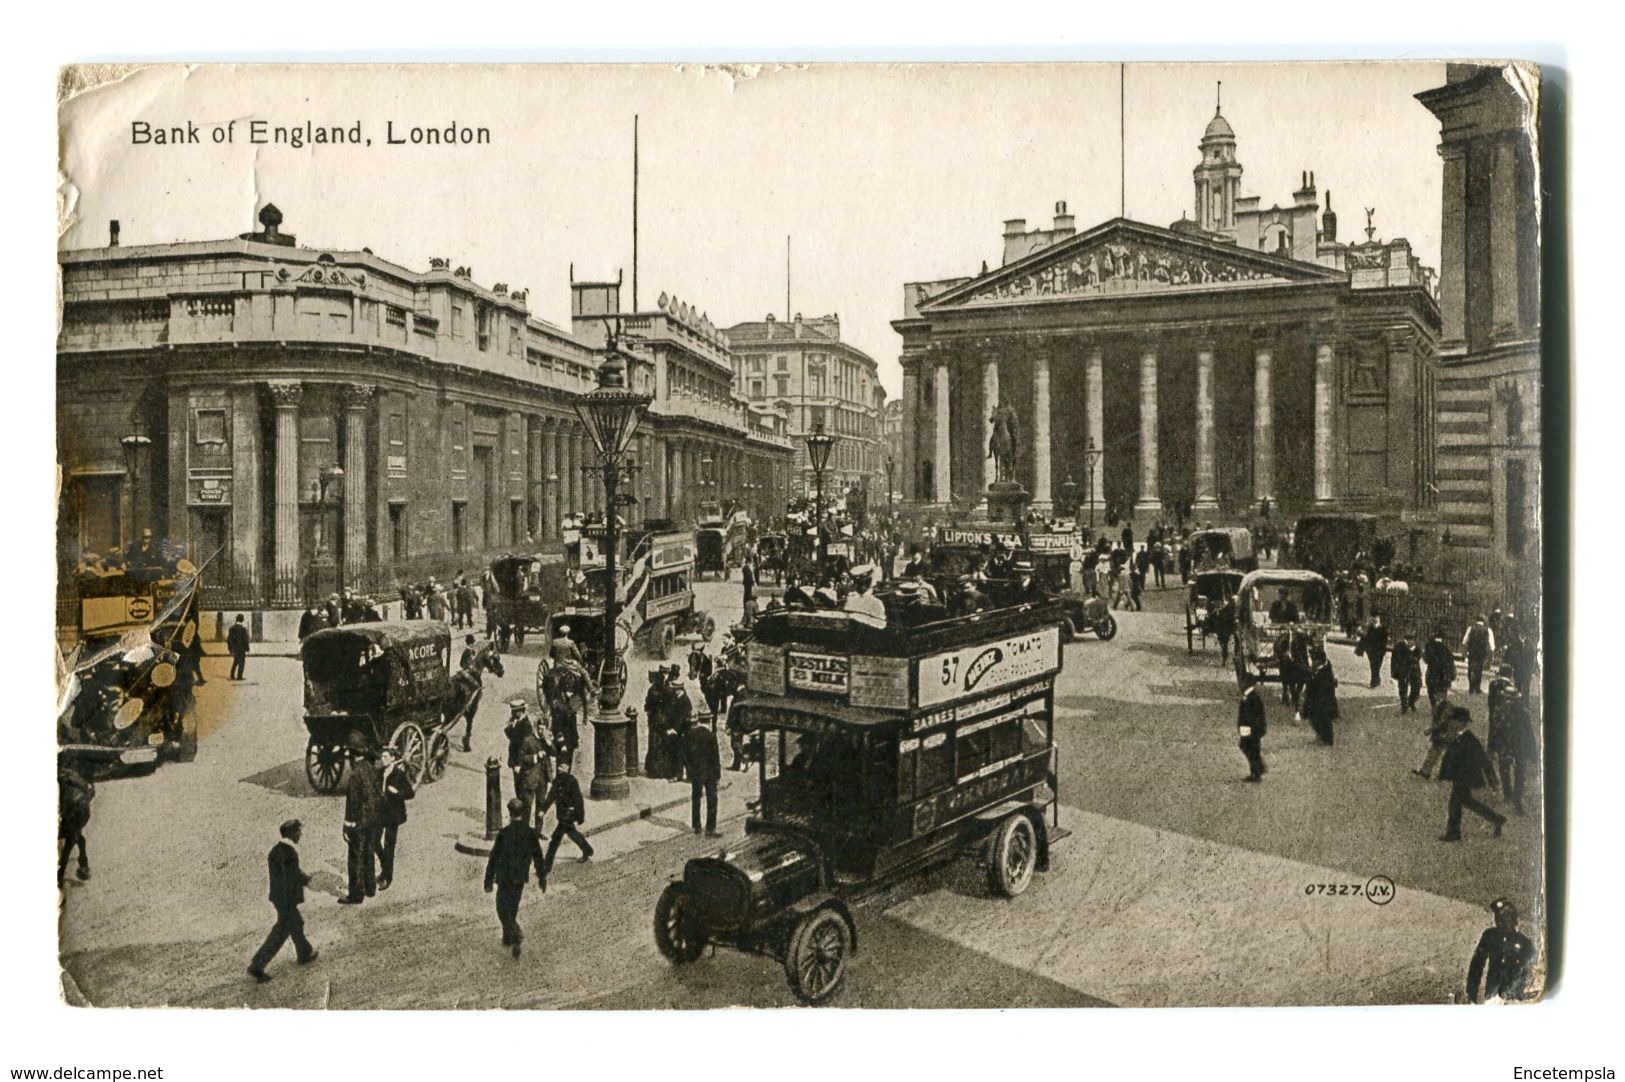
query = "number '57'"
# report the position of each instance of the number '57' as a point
(950, 670)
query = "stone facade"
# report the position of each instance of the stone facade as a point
(255, 366)
(802, 369)
(1489, 401)
(1208, 375)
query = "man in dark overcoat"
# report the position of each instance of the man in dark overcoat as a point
(564, 796)
(237, 647)
(1320, 698)
(1405, 666)
(397, 790)
(1251, 725)
(704, 771)
(516, 850)
(363, 819)
(1373, 646)
(1466, 767)
(288, 883)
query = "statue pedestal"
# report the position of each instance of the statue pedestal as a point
(1006, 501)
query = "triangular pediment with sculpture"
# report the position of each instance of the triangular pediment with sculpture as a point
(1123, 257)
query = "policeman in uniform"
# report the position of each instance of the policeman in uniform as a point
(363, 819)
(1502, 959)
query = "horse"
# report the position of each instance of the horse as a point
(471, 687)
(565, 680)
(700, 664)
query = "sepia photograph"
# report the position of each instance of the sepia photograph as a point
(635, 537)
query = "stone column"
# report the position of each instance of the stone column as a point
(285, 397)
(357, 401)
(1041, 465)
(1206, 486)
(550, 484)
(677, 475)
(1325, 449)
(570, 483)
(1094, 378)
(1263, 421)
(658, 504)
(942, 476)
(990, 398)
(1149, 503)
(1453, 244)
(1504, 236)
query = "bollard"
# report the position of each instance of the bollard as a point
(633, 763)
(493, 798)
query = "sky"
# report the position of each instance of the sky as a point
(882, 174)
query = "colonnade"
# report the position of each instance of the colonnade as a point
(1152, 352)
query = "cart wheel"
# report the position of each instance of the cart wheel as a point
(1012, 854)
(410, 745)
(439, 752)
(1107, 628)
(816, 960)
(708, 627)
(676, 931)
(324, 766)
(664, 641)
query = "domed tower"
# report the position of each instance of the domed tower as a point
(1218, 177)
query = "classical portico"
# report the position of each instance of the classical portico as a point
(1209, 377)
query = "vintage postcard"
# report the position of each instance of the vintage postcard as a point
(918, 535)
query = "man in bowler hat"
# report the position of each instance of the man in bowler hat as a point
(1466, 767)
(288, 883)
(704, 771)
(517, 848)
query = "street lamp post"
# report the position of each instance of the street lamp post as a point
(135, 445)
(819, 445)
(891, 464)
(1091, 461)
(611, 415)
(332, 479)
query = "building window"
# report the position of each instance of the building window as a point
(211, 426)
(757, 389)
(781, 363)
(459, 526)
(397, 430)
(1517, 513)
(398, 548)
(456, 321)
(783, 384)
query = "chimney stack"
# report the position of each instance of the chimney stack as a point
(1328, 226)
(112, 233)
(1064, 222)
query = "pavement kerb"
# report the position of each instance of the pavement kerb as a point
(478, 845)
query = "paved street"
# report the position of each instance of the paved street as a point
(1178, 884)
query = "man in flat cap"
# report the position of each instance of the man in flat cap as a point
(517, 849)
(288, 883)
(1502, 959)
(363, 818)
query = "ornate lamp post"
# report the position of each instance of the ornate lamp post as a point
(819, 445)
(332, 480)
(611, 415)
(135, 447)
(1091, 461)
